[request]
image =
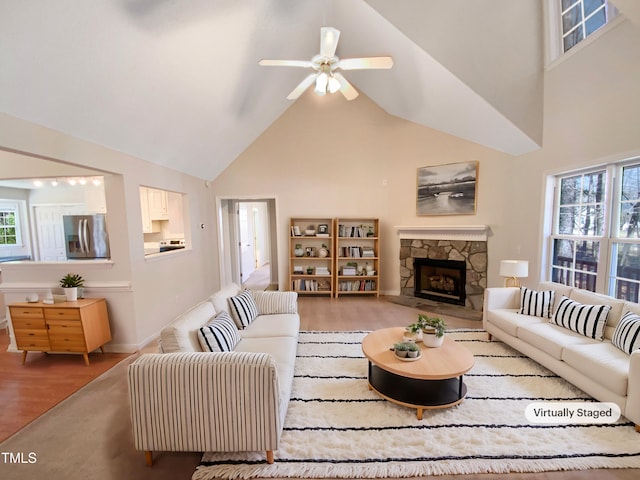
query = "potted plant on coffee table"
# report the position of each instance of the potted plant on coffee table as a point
(400, 349)
(413, 350)
(433, 330)
(71, 282)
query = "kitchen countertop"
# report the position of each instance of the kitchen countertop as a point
(16, 258)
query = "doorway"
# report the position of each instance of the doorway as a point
(248, 242)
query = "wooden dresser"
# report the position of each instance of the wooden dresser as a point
(79, 327)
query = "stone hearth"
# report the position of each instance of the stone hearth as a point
(471, 248)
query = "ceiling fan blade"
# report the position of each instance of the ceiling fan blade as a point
(285, 63)
(345, 87)
(328, 41)
(302, 86)
(364, 63)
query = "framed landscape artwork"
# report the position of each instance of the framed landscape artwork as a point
(447, 189)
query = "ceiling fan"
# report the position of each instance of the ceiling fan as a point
(325, 65)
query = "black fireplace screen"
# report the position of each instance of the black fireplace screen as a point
(440, 280)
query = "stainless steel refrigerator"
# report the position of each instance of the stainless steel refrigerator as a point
(86, 236)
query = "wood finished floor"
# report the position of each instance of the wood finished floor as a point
(28, 391)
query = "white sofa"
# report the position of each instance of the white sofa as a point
(186, 399)
(597, 367)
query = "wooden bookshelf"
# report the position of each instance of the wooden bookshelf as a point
(357, 261)
(311, 267)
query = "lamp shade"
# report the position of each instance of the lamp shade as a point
(514, 268)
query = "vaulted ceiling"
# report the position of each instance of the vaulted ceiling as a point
(177, 83)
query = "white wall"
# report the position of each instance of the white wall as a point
(327, 157)
(142, 295)
(592, 100)
(493, 46)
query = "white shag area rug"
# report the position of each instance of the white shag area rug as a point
(337, 428)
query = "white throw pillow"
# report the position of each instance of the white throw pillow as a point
(537, 304)
(220, 335)
(271, 302)
(587, 320)
(243, 308)
(627, 333)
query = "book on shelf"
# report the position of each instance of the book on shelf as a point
(322, 271)
(354, 231)
(357, 286)
(304, 285)
(368, 252)
(353, 251)
(348, 270)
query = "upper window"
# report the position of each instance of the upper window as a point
(595, 240)
(580, 18)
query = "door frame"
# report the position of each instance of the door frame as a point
(228, 236)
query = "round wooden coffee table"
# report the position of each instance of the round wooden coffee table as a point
(432, 381)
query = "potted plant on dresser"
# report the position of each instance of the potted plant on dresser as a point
(71, 282)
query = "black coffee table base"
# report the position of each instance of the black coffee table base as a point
(417, 393)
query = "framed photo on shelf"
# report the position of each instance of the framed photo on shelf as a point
(449, 189)
(323, 229)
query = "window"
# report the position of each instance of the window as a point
(624, 277)
(595, 240)
(579, 227)
(9, 230)
(580, 18)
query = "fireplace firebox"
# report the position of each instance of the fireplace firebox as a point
(440, 280)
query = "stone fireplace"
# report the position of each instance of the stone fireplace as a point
(451, 264)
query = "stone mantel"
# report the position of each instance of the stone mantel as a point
(469, 233)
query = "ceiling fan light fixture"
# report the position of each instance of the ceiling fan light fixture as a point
(321, 83)
(333, 85)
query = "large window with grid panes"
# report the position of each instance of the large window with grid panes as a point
(595, 239)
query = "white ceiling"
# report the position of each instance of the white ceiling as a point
(177, 83)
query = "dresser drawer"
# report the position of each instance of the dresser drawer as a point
(67, 343)
(64, 327)
(26, 312)
(32, 340)
(62, 313)
(28, 323)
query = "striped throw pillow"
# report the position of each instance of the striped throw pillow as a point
(220, 335)
(538, 304)
(626, 336)
(587, 320)
(243, 308)
(271, 302)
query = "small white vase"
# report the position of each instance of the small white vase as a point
(430, 340)
(71, 293)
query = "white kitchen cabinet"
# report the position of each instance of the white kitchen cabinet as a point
(176, 222)
(144, 210)
(158, 204)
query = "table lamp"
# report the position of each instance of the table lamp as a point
(513, 270)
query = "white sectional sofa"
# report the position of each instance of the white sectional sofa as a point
(597, 367)
(187, 399)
